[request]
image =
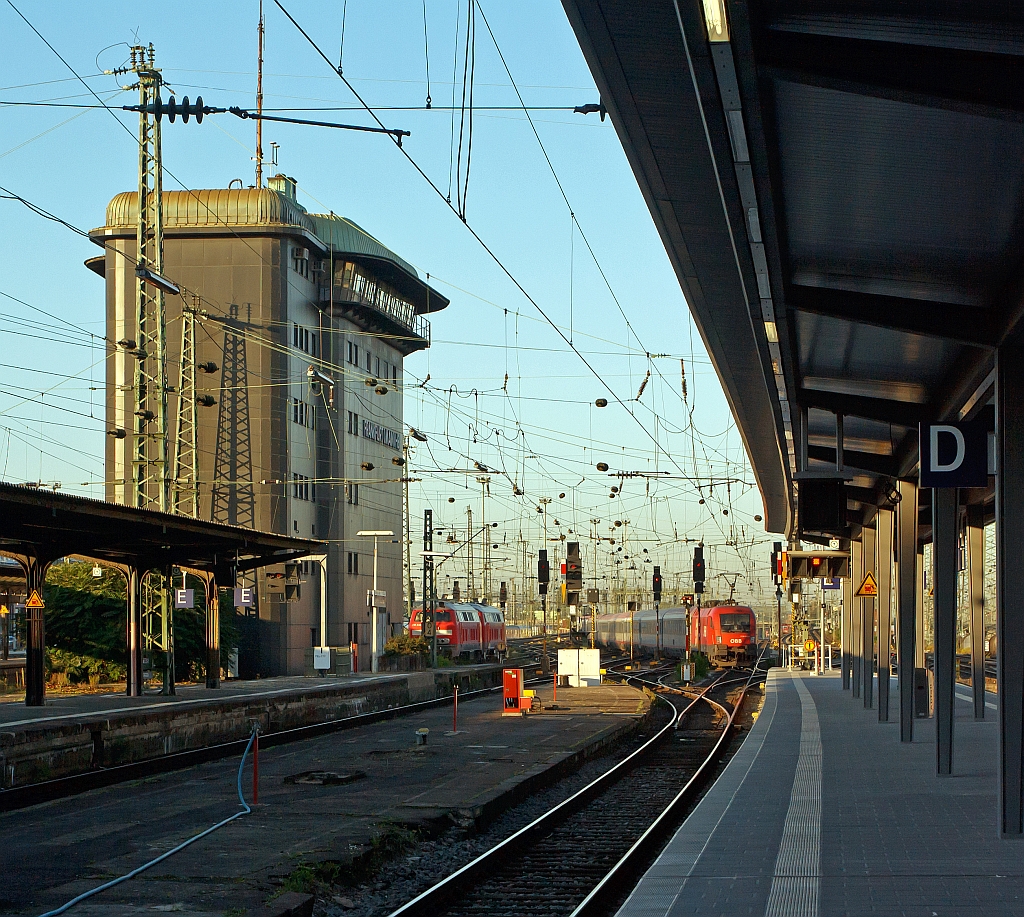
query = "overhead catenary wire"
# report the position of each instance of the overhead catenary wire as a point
(426, 53)
(501, 265)
(571, 336)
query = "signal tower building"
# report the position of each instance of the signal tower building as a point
(283, 300)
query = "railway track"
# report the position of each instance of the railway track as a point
(20, 797)
(583, 855)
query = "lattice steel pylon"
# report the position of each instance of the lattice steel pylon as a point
(150, 479)
(185, 492)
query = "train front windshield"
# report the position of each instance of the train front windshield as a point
(734, 623)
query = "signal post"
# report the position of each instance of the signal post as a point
(543, 578)
(656, 586)
(699, 575)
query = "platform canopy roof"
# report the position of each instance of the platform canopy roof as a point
(840, 189)
(47, 526)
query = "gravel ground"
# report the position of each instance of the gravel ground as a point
(432, 860)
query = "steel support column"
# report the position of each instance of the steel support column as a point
(212, 632)
(847, 647)
(35, 634)
(919, 610)
(1010, 584)
(907, 593)
(856, 616)
(976, 598)
(883, 524)
(867, 603)
(133, 679)
(945, 519)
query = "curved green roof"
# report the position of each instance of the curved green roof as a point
(347, 238)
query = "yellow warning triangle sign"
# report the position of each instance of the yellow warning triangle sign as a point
(869, 587)
(34, 601)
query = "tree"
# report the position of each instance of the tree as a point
(87, 616)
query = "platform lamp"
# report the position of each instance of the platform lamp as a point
(374, 597)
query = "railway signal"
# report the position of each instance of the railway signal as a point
(292, 582)
(543, 578)
(778, 563)
(656, 584)
(699, 569)
(543, 571)
(818, 564)
(573, 573)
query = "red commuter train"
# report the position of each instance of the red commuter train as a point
(465, 629)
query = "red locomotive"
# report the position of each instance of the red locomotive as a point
(465, 629)
(726, 634)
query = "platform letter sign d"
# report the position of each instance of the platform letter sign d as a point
(954, 454)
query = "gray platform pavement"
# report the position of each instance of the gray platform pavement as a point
(54, 851)
(823, 811)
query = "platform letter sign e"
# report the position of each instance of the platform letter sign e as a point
(954, 454)
(244, 597)
(184, 598)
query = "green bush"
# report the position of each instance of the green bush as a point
(80, 669)
(701, 664)
(405, 645)
(86, 617)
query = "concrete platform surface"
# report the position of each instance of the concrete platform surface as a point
(823, 811)
(55, 851)
(75, 735)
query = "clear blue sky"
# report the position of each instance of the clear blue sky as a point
(541, 426)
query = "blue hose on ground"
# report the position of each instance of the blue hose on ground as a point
(95, 891)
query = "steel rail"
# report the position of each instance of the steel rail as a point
(434, 899)
(624, 873)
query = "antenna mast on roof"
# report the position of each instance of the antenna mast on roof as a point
(259, 103)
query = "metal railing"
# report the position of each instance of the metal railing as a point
(383, 302)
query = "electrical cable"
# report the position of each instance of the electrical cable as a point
(490, 252)
(492, 255)
(426, 52)
(246, 809)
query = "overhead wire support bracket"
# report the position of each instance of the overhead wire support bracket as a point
(246, 114)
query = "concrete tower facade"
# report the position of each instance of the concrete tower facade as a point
(282, 298)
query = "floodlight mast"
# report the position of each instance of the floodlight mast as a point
(373, 598)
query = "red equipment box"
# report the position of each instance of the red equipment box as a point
(515, 703)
